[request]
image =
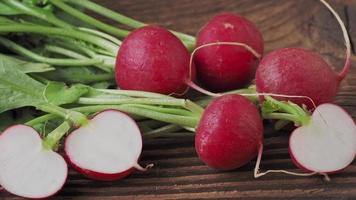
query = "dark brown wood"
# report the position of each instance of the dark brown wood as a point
(178, 173)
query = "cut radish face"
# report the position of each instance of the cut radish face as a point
(327, 144)
(26, 168)
(107, 148)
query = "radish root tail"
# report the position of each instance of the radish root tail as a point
(140, 168)
(258, 174)
(191, 84)
(347, 65)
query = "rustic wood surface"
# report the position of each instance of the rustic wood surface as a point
(178, 173)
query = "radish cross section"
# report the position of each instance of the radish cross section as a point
(107, 148)
(327, 143)
(26, 168)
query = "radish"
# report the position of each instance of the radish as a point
(107, 148)
(226, 66)
(325, 141)
(229, 133)
(27, 167)
(293, 71)
(152, 59)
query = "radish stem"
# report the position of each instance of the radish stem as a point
(292, 112)
(77, 118)
(76, 34)
(189, 41)
(53, 138)
(37, 12)
(52, 61)
(90, 20)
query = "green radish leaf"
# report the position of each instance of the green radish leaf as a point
(101, 85)
(58, 93)
(17, 89)
(26, 66)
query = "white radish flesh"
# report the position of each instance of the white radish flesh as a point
(26, 168)
(328, 143)
(107, 148)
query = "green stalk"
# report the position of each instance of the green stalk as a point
(173, 111)
(52, 61)
(149, 101)
(107, 13)
(52, 139)
(90, 20)
(75, 34)
(280, 110)
(41, 119)
(101, 34)
(76, 117)
(284, 116)
(249, 93)
(37, 12)
(186, 121)
(188, 40)
(163, 131)
(134, 93)
(73, 54)
(73, 45)
(65, 52)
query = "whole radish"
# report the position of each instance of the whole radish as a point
(107, 148)
(296, 71)
(224, 67)
(152, 59)
(229, 133)
(27, 168)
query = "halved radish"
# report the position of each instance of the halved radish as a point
(28, 169)
(107, 148)
(327, 143)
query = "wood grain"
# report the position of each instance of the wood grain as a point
(178, 173)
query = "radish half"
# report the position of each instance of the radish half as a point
(26, 168)
(327, 143)
(107, 148)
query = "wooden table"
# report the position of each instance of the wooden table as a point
(178, 173)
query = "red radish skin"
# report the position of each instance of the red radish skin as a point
(99, 176)
(295, 71)
(152, 59)
(107, 148)
(327, 144)
(229, 133)
(28, 170)
(226, 67)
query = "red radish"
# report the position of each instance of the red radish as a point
(327, 143)
(27, 169)
(225, 67)
(295, 71)
(107, 148)
(152, 59)
(229, 133)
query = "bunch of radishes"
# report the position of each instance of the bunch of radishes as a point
(230, 132)
(105, 142)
